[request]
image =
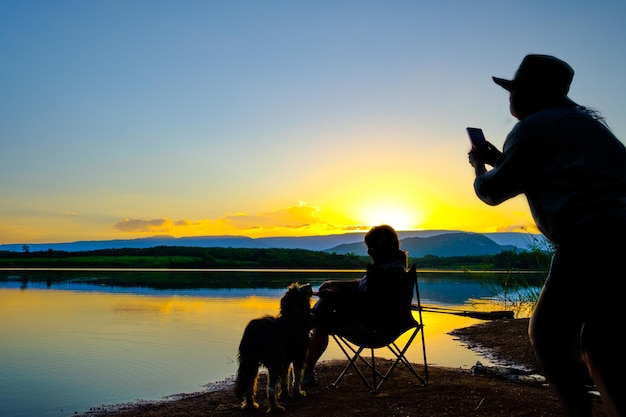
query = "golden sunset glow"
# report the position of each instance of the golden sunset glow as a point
(401, 218)
(324, 124)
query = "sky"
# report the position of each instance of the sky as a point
(136, 118)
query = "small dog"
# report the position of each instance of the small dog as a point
(280, 344)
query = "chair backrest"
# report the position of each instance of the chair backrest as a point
(403, 318)
(391, 324)
(411, 287)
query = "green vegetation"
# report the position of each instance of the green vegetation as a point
(520, 292)
(171, 279)
(183, 257)
(179, 257)
(515, 284)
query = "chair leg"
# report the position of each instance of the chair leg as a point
(344, 346)
(353, 357)
(401, 357)
(377, 377)
(424, 380)
(354, 353)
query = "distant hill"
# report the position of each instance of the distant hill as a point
(418, 243)
(447, 244)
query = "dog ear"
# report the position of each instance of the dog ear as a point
(307, 288)
(296, 300)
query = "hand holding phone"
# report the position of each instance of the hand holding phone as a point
(476, 137)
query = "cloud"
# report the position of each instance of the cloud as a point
(140, 225)
(530, 228)
(356, 228)
(299, 219)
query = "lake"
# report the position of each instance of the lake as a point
(72, 340)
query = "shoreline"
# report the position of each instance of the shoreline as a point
(223, 386)
(509, 390)
(466, 335)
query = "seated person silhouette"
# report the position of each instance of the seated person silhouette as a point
(344, 305)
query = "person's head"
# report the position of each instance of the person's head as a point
(383, 244)
(541, 82)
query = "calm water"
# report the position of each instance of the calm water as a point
(68, 346)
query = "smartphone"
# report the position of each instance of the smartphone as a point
(476, 137)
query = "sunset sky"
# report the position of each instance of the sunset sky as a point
(126, 119)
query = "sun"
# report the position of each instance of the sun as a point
(398, 217)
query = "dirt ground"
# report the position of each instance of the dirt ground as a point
(492, 392)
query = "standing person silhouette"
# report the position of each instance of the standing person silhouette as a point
(572, 170)
(343, 304)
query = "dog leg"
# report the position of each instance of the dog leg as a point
(273, 391)
(286, 381)
(249, 395)
(296, 389)
(246, 383)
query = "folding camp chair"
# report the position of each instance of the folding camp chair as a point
(375, 335)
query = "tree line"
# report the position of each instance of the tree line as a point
(536, 259)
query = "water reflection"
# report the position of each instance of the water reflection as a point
(73, 340)
(175, 279)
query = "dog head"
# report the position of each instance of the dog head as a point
(296, 303)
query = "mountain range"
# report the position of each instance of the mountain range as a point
(417, 243)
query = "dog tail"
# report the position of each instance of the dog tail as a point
(246, 378)
(247, 356)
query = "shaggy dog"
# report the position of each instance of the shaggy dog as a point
(280, 344)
